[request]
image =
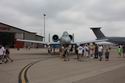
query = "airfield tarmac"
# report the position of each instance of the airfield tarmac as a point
(36, 66)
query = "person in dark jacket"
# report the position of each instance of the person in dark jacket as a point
(123, 50)
(96, 52)
(7, 55)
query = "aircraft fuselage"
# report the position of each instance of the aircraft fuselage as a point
(65, 39)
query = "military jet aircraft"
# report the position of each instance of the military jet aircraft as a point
(65, 39)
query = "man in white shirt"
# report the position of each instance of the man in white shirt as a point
(2, 53)
(80, 52)
(86, 51)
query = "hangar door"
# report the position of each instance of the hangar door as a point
(7, 39)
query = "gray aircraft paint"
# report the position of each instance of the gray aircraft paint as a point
(98, 33)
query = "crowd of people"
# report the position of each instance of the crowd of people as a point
(94, 51)
(82, 52)
(87, 51)
(4, 55)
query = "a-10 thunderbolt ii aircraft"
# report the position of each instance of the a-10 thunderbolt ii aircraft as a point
(65, 39)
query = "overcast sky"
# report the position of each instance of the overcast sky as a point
(74, 16)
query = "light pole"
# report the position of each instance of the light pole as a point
(44, 26)
(49, 38)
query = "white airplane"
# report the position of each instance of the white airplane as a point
(65, 39)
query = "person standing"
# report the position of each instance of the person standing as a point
(7, 55)
(123, 50)
(66, 53)
(2, 53)
(92, 50)
(100, 52)
(49, 49)
(120, 50)
(76, 50)
(62, 52)
(86, 51)
(107, 53)
(96, 53)
(80, 52)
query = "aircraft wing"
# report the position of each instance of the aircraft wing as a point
(105, 43)
(91, 41)
(78, 43)
(31, 41)
(57, 44)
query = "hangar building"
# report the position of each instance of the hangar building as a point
(15, 37)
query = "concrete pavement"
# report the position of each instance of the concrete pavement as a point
(114, 76)
(38, 67)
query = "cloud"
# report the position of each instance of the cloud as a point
(74, 16)
(107, 10)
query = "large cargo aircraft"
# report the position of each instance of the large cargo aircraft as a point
(100, 36)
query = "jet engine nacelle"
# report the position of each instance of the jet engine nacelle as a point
(55, 38)
(71, 37)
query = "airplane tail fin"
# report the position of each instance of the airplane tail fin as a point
(98, 33)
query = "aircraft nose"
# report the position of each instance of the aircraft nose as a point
(65, 40)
